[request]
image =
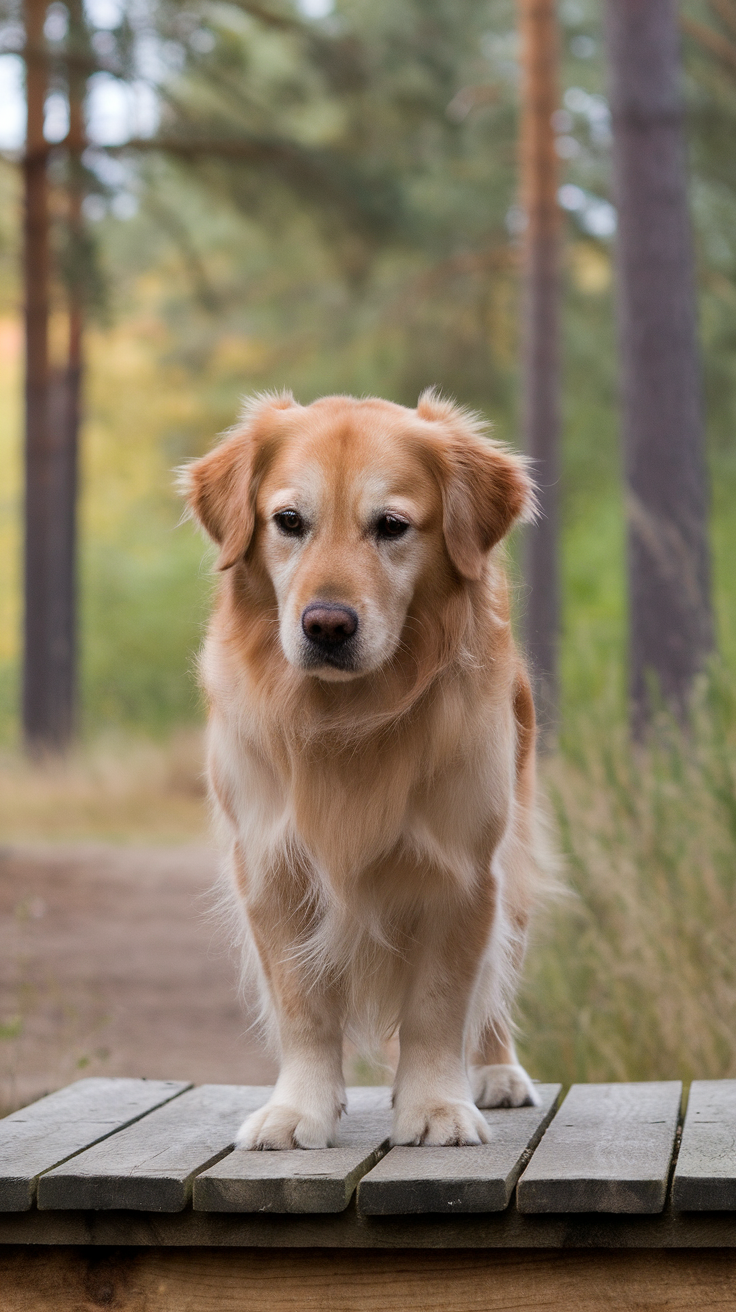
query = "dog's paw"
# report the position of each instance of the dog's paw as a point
(445, 1124)
(279, 1126)
(503, 1086)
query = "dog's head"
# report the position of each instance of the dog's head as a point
(354, 509)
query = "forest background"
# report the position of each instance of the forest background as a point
(211, 282)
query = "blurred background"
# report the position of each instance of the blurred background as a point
(223, 197)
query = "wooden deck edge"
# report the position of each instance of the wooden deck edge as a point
(65, 1279)
(507, 1230)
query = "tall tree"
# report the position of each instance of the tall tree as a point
(52, 396)
(540, 362)
(36, 267)
(671, 626)
(66, 412)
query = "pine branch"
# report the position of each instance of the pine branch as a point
(330, 180)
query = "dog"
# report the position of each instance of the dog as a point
(371, 751)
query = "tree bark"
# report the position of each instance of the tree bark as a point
(64, 431)
(52, 413)
(540, 348)
(36, 267)
(671, 625)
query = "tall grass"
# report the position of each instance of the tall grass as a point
(632, 974)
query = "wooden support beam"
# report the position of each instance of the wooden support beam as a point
(295, 1280)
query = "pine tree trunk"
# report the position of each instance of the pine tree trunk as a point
(36, 264)
(64, 435)
(52, 417)
(63, 428)
(540, 352)
(671, 626)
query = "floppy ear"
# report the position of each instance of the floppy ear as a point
(221, 498)
(221, 487)
(485, 487)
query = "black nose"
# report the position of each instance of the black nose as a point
(329, 625)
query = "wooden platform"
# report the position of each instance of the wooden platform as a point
(129, 1194)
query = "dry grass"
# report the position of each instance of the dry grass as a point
(634, 975)
(118, 790)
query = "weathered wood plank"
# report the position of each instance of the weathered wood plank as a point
(472, 1179)
(608, 1150)
(318, 1180)
(38, 1137)
(705, 1175)
(192, 1280)
(149, 1167)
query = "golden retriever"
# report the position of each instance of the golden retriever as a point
(371, 751)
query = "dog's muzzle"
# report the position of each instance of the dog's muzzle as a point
(330, 630)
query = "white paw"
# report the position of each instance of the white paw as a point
(503, 1086)
(279, 1126)
(447, 1124)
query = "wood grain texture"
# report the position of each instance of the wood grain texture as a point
(318, 1180)
(36, 1138)
(216, 1280)
(608, 1150)
(149, 1167)
(472, 1179)
(705, 1175)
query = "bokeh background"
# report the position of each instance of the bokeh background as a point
(213, 278)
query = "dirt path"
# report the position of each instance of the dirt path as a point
(109, 965)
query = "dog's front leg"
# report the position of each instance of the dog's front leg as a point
(433, 1101)
(309, 1095)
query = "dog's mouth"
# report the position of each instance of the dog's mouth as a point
(344, 658)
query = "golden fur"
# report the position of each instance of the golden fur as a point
(379, 807)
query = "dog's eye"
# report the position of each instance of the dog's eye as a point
(391, 526)
(290, 522)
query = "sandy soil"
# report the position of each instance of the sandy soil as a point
(111, 965)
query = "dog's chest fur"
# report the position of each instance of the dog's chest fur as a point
(427, 801)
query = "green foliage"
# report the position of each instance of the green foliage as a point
(142, 622)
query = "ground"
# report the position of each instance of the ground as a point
(112, 963)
